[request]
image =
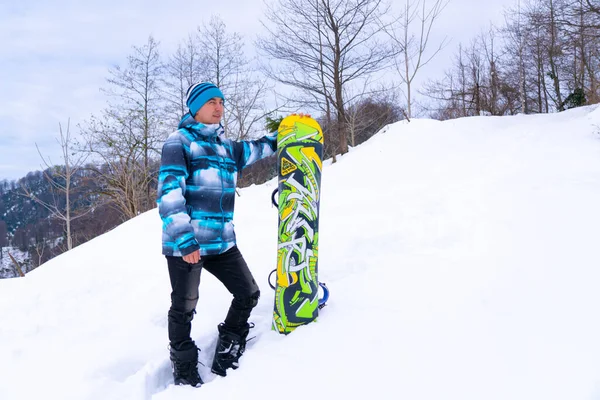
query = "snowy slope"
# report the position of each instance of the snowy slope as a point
(461, 256)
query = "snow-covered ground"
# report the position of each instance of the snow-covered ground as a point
(462, 259)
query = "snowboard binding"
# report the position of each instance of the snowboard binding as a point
(324, 289)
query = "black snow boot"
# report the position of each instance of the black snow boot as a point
(185, 367)
(230, 347)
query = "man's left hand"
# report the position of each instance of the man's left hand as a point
(192, 258)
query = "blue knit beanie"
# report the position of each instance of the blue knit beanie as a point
(199, 94)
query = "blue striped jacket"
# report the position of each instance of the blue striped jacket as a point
(196, 186)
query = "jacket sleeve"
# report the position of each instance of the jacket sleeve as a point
(171, 202)
(247, 152)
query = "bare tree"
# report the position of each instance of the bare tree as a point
(369, 109)
(493, 85)
(222, 50)
(527, 49)
(520, 39)
(3, 234)
(450, 94)
(516, 35)
(593, 7)
(119, 152)
(580, 21)
(591, 49)
(224, 54)
(214, 54)
(354, 112)
(126, 138)
(41, 250)
(369, 115)
(553, 54)
(60, 178)
(478, 82)
(321, 47)
(246, 106)
(17, 266)
(3, 238)
(413, 48)
(184, 68)
(137, 90)
(538, 59)
(548, 59)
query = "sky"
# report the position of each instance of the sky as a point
(55, 56)
(472, 274)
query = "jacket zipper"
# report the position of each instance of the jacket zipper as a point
(221, 170)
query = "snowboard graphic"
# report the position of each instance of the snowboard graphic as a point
(299, 154)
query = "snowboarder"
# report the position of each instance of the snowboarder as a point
(196, 193)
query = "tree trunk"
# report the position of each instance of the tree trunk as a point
(406, 60)
(68, 208)
(339, 95)
(408, 88)
(582, 61)
(17, 266)
(553, 65)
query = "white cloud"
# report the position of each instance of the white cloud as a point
(55, 56)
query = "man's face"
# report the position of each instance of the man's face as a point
(211, 112)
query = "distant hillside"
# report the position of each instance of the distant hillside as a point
(32, 233)
(33, 236)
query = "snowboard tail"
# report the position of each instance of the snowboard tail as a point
(299, 162)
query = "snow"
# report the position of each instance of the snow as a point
(461, 257)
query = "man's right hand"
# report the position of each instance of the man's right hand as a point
(192, 258)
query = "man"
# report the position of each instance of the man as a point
(196, 193)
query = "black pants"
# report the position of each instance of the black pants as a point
(229, 268)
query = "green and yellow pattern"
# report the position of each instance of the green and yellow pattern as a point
(299, 154)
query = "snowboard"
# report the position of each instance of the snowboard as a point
(299, 164)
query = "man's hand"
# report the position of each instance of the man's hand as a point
(192, 258)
